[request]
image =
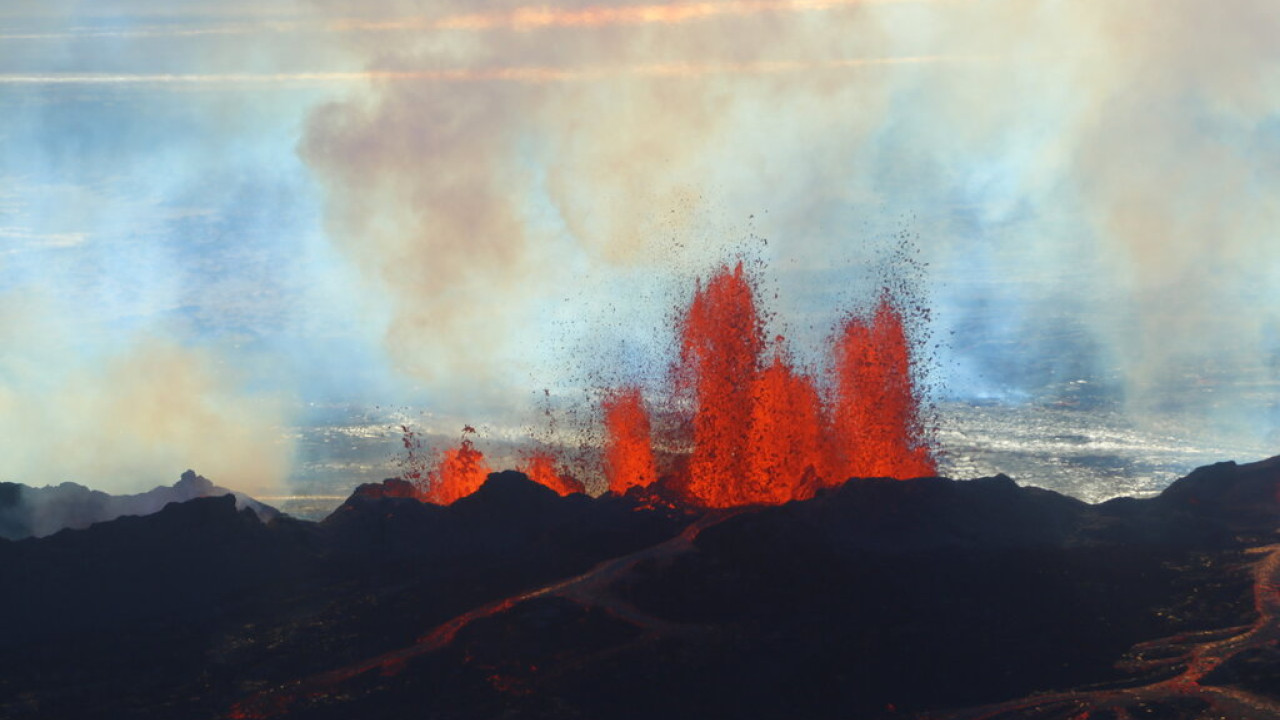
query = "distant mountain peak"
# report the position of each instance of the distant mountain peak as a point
(194, 482)
(38, 512)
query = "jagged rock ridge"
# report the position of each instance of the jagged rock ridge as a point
(27, 511)
(874, 599)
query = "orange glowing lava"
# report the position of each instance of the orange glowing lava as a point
(721, 338)
(541, 468)
(762, 433)
(790, 450)
(628, 450)
(459, 472)
(753, 432)
(877, 424)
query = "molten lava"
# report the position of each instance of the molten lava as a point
(721, 340)
(541, 468)
(762, 433)
(877, 413)
(459, 472)
(628, 449)
(755, 432)
(790, 451)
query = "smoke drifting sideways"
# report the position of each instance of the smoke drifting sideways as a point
(167, 299)
(120, 417)
(1087, 180)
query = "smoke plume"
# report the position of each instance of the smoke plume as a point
(123, 418)
(1088, 180)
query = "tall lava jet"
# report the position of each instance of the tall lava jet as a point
(628, 450)
(756, 430)
(763, 432)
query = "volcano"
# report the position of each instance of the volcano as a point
(875, 598)
(768, 540)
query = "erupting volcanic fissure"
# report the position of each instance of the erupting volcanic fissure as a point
(445, 476)
(762, 431)
(876, 416)
(754, 428)
(541, 467)
(628, 451)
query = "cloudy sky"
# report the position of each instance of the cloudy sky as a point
(217, 217)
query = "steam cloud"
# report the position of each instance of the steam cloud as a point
(1098, 164)
(118, 421)
(522, 186)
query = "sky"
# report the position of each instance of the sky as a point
(222, 221)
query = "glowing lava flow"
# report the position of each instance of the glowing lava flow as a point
(1184, 660)
(594, 588)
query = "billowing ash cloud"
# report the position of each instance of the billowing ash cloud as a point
(1090, 181)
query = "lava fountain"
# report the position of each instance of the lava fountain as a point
(876, 418)
(763, 433)
(757, 430)
(457, 472)
(541, 467)
(628, 450)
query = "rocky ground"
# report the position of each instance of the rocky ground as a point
(878, 599)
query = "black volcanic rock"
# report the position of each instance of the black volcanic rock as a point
(876, 599)
(873, 599)
(894, 517)
(201, 603)
(1243, 497)
(180, 564)
(511, 494)
(511, 527)
(28, 511)
(391, 487)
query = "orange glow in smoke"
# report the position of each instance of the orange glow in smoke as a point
(543, 16)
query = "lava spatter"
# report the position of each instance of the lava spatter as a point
(628, 450)
(459, 472)
(721, 339)
(541, 467)
(747, 431)
(876, 415)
